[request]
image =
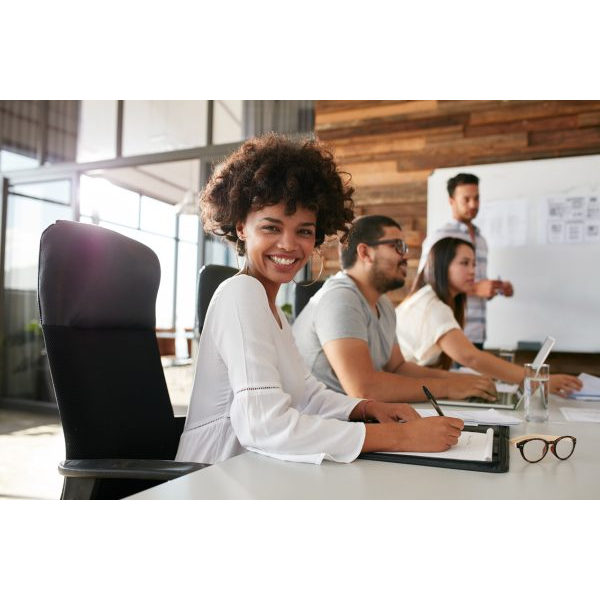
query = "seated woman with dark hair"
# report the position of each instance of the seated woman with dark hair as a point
(276, 200)
(429, 322)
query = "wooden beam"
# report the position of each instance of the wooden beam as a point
(567, 139)
(546, 124)
(362, 113)
(532, 110)
(384, 173)
(588, 119)
(390, 126)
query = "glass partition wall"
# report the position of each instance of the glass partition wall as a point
(30, 208)
(140, 167)
(144, 202)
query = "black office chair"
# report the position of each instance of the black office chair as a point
(210, 277)
(303, 293)
(97, 293)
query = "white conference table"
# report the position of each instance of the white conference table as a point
(252, 476)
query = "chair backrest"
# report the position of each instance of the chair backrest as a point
(97, 294)
(210, 278)
(303, 293)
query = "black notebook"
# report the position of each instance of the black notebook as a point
(470, 447)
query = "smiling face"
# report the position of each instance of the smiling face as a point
(461, 272)
(277, 245)
(389, 267)
(465, 202)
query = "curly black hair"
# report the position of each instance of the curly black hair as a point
(270, 169)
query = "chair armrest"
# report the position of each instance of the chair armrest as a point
(124, 468)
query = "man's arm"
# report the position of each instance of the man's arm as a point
(488, 288)
(485, 288)
(399, 365)
(351, 361)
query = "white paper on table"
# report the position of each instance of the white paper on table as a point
(508, 388)
(471, 446)
(490, 416)
(585, 415)
(468, 418)
(590, 389)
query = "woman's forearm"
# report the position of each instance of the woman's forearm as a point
(492, 366)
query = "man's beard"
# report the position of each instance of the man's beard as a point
(384, 283)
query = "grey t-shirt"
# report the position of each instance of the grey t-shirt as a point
(339, 310)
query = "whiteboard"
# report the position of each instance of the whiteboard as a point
(557, 283)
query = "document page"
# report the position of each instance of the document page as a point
(491, 416)
(590, 415)
(590, 389)
(471, 445)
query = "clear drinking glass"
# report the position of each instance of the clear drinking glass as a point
(537, 388)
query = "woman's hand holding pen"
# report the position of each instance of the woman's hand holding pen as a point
(401, 429)
(430, 434)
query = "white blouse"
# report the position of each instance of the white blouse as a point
(421, 320)
(252, 390)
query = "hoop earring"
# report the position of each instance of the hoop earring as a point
(240, 247)
(317, 277)
(240, 250)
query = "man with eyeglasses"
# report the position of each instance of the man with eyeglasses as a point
(463, 195)
(347, 332)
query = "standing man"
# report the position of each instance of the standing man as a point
(347, 332)
(463, 192)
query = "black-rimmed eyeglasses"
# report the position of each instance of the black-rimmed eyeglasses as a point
(399, 245)
(534, 447)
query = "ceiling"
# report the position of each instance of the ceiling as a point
(165, 181)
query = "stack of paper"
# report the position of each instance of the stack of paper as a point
(475, 417)
(590, 389)
(471, 446)
(590, 415)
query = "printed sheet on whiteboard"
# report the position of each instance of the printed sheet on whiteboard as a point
(570, 220)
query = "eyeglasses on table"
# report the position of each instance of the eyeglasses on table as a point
(534, 447)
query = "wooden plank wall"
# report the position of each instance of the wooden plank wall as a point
(391, 147)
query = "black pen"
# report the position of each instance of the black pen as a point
(432, 400)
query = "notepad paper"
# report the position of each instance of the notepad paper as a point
(587, 415)
(491, 416)
(590, 389)
(471, 445)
